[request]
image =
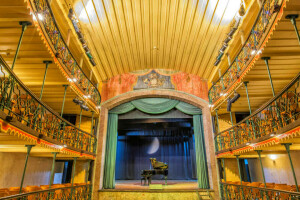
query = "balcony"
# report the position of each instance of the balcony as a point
(272, 122)
(31, 119)
(271, 11)
(62, 55)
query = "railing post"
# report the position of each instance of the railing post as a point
(287, 147)
(238, 162)
(261, 166)
(224, 173)
(240, 173)
(24, 27)
(217, 119)
(92, 123)
(231, 118)
(52, 169)
(29, 147)
(249, 105)
(266, 59)
(293, 18)
(47, 62)
(63, 104)
(88, 172)
(73, 176)
(80, 117)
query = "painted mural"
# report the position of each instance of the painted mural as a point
(149, 79)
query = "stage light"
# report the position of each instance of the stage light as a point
(40, 16)
(259, 52)
(77, 101)
(33, 17)
(273, 157)
(84, 107)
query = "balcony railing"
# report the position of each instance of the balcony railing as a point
(250, 49)
(280, 111)
(241, 192)
(20, 104)
(65, 193)
(46, 20)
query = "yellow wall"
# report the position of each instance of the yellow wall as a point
(85, 123)
(231, 169)
(225, 122)
(81, 171)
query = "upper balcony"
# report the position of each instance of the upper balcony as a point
(59, 49)
(275, 121)
(271, 11)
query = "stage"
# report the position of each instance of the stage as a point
(171, 185)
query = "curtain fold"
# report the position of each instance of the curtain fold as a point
(111, 151)
(154, 106)
(200, 153)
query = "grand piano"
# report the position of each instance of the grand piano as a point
(159, 168)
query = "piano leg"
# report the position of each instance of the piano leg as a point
(166, 178)
(149, 180)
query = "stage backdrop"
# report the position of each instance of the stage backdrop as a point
(174, 147)
(154, 106)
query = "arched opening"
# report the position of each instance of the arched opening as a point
(169, 94)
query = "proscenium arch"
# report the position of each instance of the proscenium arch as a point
(161, 93)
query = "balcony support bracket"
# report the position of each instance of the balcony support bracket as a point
(29, 147)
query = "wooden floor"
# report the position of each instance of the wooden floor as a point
(171, 184)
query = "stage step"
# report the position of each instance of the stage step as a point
(114, 194)
(202, 195)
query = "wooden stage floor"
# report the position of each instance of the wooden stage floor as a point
(172, 184)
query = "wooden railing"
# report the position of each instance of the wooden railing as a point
(250, 49)
(45, 18)
(280, 111)
(82, 192)
(20, 104)
(245, 192)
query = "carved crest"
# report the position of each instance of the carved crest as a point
(153, 80)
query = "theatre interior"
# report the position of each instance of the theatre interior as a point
(149, 99)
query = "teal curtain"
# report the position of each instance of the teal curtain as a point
(154, 106)
(202, 172)
(111, 151)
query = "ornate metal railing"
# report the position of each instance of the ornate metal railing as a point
(280, 111)
(45, 17)
(243, 192)
(247, 53)
(66, 193)
(19, 103)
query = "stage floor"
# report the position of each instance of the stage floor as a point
(172, 184)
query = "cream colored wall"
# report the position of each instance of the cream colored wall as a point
(11, 170)
(231, 169)
(277, 171)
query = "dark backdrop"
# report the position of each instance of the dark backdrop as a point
(176, 148)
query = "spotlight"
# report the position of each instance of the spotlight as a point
(40, 16)
(217, 62)
(229, 105)
(223, 48)
(227, 39)
(84, 107)
(77, 101)
(259, 52)
(236, 97)
(273, 156)
(232, 31)
(253, 52)
(33, 17)
(93, 62)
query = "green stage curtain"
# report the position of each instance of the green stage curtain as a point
(153, 106)
(202, 171)
(111, 151)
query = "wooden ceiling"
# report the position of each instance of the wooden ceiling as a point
(284, 50)
(133, 35)
(29, 66)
